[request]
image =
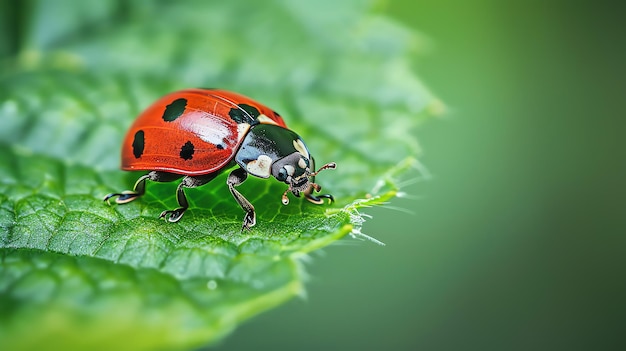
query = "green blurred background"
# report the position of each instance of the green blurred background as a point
(517, 242)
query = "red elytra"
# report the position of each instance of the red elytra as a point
(201, 117)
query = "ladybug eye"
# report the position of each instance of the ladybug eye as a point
(282, 174)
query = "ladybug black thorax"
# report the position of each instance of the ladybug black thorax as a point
(266, 146)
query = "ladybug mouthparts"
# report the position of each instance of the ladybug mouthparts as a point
(303, 183)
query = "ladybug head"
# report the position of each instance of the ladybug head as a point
(296, 170)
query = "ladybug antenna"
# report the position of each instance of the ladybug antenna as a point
(330, 165)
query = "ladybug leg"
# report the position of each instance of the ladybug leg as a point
(128, 196)
(176, 214)
(308, 194)
(318, 200)
(188, 182)
(140, 187)
(235, 178)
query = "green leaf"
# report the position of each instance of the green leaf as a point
(85, 275)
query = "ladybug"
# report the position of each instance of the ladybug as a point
(196, 134)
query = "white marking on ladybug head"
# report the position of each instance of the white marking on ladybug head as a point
(263, 119)
(302, 163)
(290, 169)
(299, 146)
(260, 167)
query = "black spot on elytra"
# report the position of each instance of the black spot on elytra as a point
(244, 114)
(186, 152)
(138, 144)
(276, 113)
(174, 110)
(220, 146)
